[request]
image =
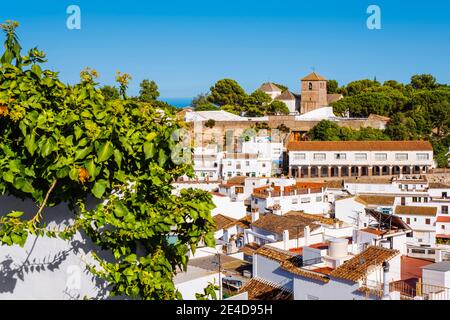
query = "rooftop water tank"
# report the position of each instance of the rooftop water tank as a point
(338, 247)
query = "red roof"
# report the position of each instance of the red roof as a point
(411, 267)
(374, 231)
(443, 219)
(443, 236)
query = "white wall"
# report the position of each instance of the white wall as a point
(47, 268)
(229, 208)
(350, 158)
(347, 210)
(188, 289)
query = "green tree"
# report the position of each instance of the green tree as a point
(360, 86)
(227, 92)
(278, 107)
(62, 143)
(149, 91)
(332, 86)
(201, 103)
(423, 81)
(256, 104)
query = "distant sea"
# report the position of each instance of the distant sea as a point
(178, 102)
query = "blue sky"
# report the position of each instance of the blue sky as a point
(185, 46)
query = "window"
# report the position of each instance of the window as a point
(444, 209)
(415, 219)
(425, 199)
(299, 156)
(310, 86)
(443, 227)
(427, 221)
(380, 156)
(444, 195)
(320, 156)
(340, 156)
(263, 165)
(401, 156)
(408, 220)
(306, 200)
(318, 199)
(414, 199)
(229, 174)
(294, 201)
(360, 156)
(229, 163)
(423, 156)
(247, 163)
(238, 173)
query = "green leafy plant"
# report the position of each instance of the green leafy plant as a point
(62, 144)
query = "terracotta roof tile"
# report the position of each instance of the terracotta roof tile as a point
(359, 146)
(224, 222)
(377, 200)
(356, 268)
(274, 253)
(292, 222)
(269, 87)
(285, 95)
(443, 219)
(333, 97)
(259, 289)
(313, 77)
(416, 211)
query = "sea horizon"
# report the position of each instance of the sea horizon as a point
(178, 102)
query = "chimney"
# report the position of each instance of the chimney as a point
(285, 239)
(386, 290)
(255, 215)
(306, 235)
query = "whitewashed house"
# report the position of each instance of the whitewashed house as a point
(309, 197)
(245, 164)
(358, 158)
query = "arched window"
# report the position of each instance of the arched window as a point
(310, 86)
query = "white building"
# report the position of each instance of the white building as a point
(245, 164)
(331, 272)
(265, 149)
(309, 197)
(419, 203)
(358, 158)
(207, 163)
(277, 93)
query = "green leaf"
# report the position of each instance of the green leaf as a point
(15, 214)
(30, 143)
(120, 210)
(36, 70)
(99, 188)
(8, 176)
(150, 136)
(105, 151)
(74, 174)
(118, 157)
(80, 154)
(48, 147)
(149, 150)
(162, 158)
(90, 167)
